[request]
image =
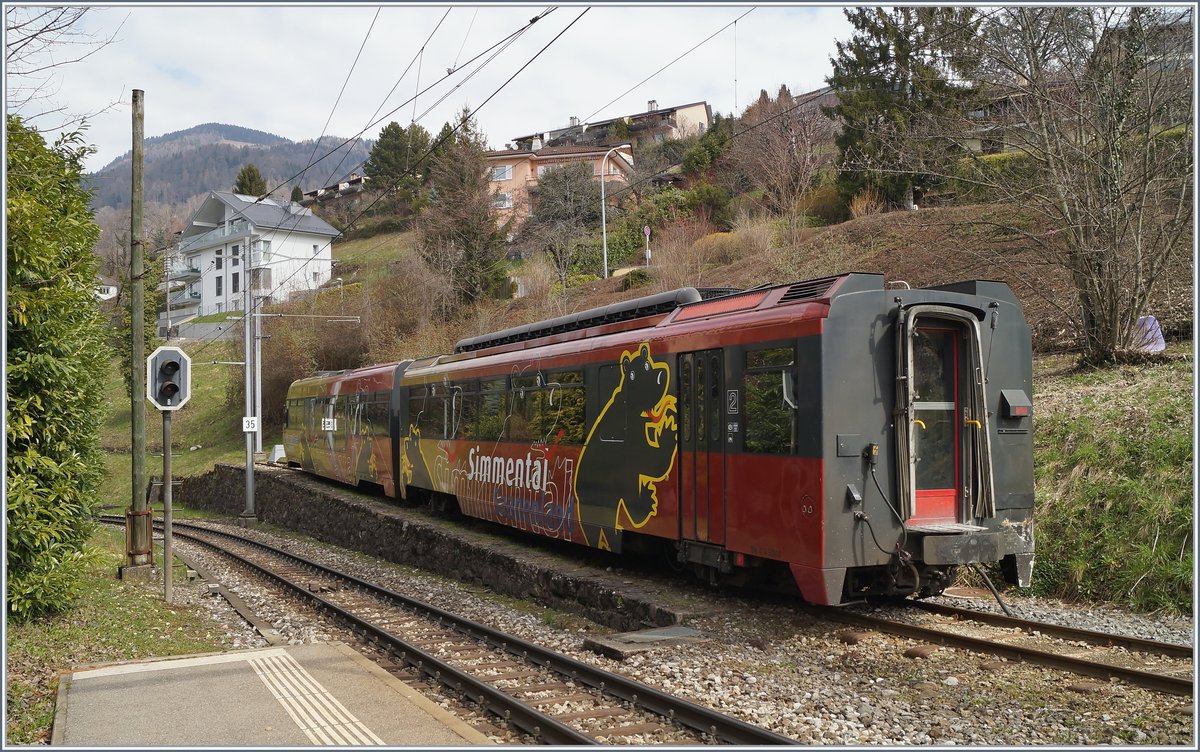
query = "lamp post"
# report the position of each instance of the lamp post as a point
(603, 208)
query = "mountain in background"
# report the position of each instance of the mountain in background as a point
(185, 164)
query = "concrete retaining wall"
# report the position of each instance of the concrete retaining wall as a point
(377, 527)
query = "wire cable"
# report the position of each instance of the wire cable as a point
(463, 121)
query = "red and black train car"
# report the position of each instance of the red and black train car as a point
(864, 440)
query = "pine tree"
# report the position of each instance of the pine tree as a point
(297, 194)
(250, 181)
(397, 154)
(893, 73)
(458, 233)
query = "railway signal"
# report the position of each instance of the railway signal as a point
(168, 378)
(168, 387)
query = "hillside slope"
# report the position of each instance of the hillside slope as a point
(932, 246)
(183, 164)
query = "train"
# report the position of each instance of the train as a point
(850, 438)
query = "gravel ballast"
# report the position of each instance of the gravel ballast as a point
(769, 663)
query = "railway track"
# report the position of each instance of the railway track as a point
(1160, 666)
(556, 699)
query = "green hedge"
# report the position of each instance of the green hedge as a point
(57, 359)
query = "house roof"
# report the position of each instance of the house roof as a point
(558, 151)
(609, 120)
(270, 213)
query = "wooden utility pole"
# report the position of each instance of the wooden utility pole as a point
(139, 541)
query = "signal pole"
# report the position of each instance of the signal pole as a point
(139, 543)
(248, 515)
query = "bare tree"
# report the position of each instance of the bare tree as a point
(566, 208)
(1099, 103)
(39, 41)
(783, 143)
(1090, 110)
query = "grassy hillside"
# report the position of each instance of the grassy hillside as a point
(1114, 462)
(203, 431)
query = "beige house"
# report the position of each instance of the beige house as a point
(515, 172)
(653, 126)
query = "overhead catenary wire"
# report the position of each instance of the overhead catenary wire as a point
(476, 57)
(433, 147)
(345, 83)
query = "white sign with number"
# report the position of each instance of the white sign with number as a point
(249, 425)
(328, 424)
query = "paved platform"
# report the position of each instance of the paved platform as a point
(297, 695)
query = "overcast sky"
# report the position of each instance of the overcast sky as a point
(280, 68)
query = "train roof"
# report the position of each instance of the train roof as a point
(686, 302)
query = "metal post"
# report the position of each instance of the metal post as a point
(167, 495)
(139, 554)
(247, 333)
(167, 256)
(257, 374)
(604, 208)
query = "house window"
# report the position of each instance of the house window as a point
(502, 201)
(219, 259)
(234, 262)
(264, 249)
(316, 276)
(220, 281)
(502, 172)
(316, 249)
(234, 282)
(260, 278)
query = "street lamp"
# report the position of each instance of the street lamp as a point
(603, 212)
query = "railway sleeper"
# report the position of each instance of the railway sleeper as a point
(592, 714)
(511, 675)
(543, 687)
(561, 699)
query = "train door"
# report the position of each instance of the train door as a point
(944, 450)
(702, 455)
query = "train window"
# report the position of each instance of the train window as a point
(526, 409)
(492, 410)
(374, 419)
(338, 410)
(467, 408)
(770, 422)
(429, 415)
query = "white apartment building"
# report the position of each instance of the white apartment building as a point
(278, 247)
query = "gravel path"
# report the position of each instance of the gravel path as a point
(770, 664)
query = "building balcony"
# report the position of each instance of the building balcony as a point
(184, 299)
(233, 229)
(185, 274)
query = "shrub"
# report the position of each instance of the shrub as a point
(866, 204)
(824, 203)
(635, 278)
(974, 175)
(678, 261)
(721, 247)
(56, 361)
(712, 203)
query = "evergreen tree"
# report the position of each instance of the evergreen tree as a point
(397, 154)
(893, 74)
(57, 362)
(458, 236)
(297, 194)
(250, 181)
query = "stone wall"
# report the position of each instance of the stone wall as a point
(378, 527)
